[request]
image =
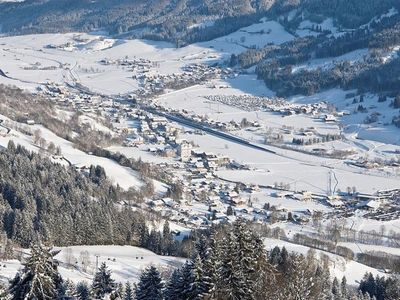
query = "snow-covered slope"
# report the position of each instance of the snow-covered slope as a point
(125, 262)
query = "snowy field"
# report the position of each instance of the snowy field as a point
(76, 57)
(125, 262)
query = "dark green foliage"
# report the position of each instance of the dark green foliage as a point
(82, 291)
(43, 200)
(237, 267)
(102, 283)
(39, 278)
(168, 20)
(350, 13)
(128, 294)
(150, 285)
(174, 288)
(396, 102)
(380, 287)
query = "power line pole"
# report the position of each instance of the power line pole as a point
(97, 261)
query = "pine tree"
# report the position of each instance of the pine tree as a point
(393, 288)
(119, 292)
(228, 282)
(322, 286)
(336, 291)
(283, 264)
(185, 282)
(297, 284)
(275, 256)
(39, 279)
(212, 264)
(102, 283)
(174, 289)
(237, 263)
(150, 285)
(82, 291)
(167, 240)
(343, 287)
(201, 248)
(69, 289)
(128, 295)
(265, 273)
(200, 283)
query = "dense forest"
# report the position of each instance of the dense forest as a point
(172, 20)
(44, 201)
(184, 22)
(230, 263)
(276, 65)
(33, 192)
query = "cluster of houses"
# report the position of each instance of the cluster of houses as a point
(278, 105)
(208, 201)
(206, 198)
(154, 83)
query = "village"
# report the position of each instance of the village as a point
(194, 118)
(184, 136)
(201, 197)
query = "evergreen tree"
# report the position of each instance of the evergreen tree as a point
(265, 273)
(368, 285)
(185, 282)
(322, 287)
(39, 278)
(336, 291)
(167, 239)
(150, 285)
(238, 262)
(297, 284)
(392, 291)
(174, 289)
(283, 264)
(201, 248)
(275, 256)
(343, 287)
(213, 262)
(128, 295)
(102, 283)
(69, 289)
(82, 291)
(200, 283)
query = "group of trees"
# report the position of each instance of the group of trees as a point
(317, 139)
(44, 201)
(275, 63)
(230, 263)
(367, 75)
(289, 53)
(40, 200)
(160, 20)
(42, 111)
(40, 279)
(165, 20)
(380, 288)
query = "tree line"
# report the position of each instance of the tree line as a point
(44, 201)
(231, 263)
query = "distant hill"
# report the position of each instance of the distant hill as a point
(324, 29)
(172, 19)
